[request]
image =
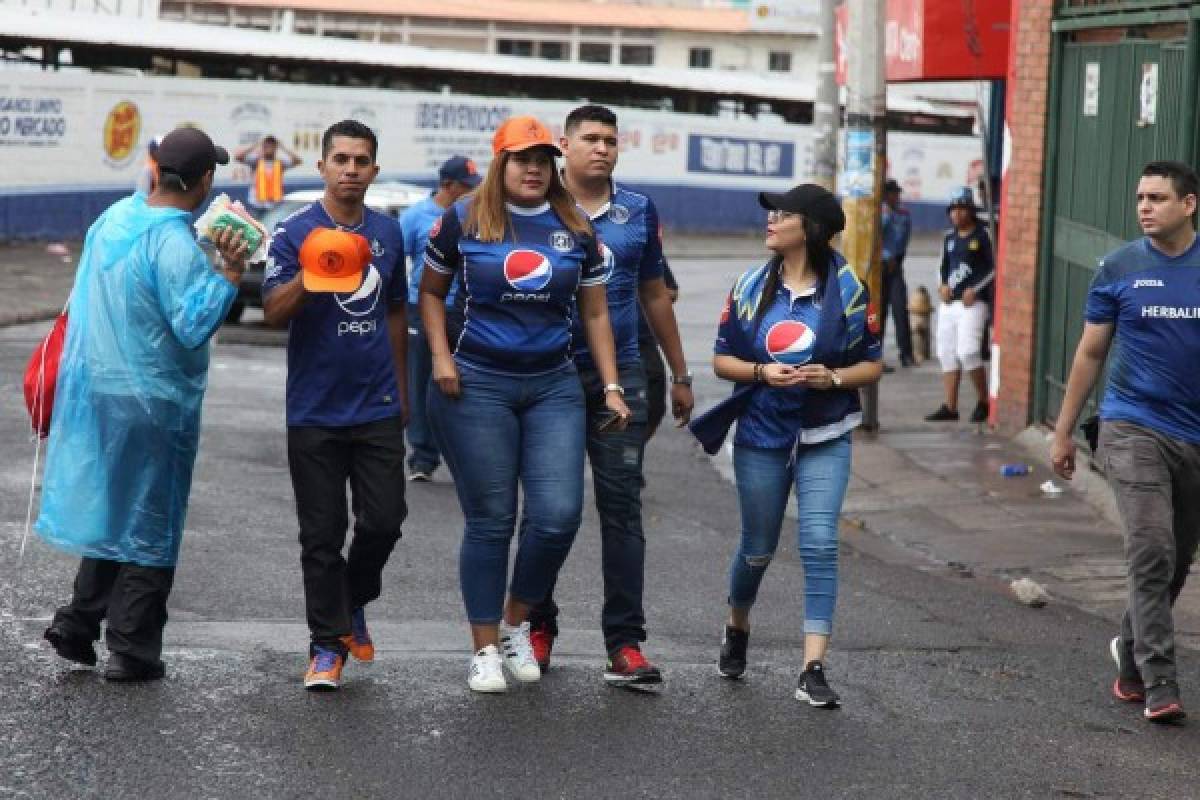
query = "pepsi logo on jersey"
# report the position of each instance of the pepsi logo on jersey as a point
(790, 342)
(527, 270)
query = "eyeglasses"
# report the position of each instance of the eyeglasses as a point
(775, 215)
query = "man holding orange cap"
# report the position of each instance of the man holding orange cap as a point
(335, 278)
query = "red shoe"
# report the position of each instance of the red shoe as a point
(542, 639)
(1128, 687)
(628, 667)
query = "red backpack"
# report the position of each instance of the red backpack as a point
(41, 375)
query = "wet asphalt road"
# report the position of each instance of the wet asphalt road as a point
(950, 688)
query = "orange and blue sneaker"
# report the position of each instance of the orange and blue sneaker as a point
(324, 669)
(359, 641)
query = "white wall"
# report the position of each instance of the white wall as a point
(743, 52)
(147, 9)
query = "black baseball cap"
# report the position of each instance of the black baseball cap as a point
(461, 169)
(892, 186)
(813, 201)
(188, 153)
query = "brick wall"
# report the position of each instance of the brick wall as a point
(1021, 209)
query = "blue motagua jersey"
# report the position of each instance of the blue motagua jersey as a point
(787, 334)
(1153, 302)
(967, 262)
(340, 366)
(628, 231)
(518, 294)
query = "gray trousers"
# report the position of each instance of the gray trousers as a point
(1156, 481)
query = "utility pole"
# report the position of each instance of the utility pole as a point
(827, 109)
(866, 160)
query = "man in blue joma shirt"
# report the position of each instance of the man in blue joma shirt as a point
(1145, 303)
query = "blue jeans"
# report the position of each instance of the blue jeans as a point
(423, 450)
(819, 473)
(616, 458)
(504, 430)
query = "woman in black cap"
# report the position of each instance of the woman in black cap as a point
(794, 339)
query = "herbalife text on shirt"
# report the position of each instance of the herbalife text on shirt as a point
(1171, 312)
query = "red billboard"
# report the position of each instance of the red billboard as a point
(939, 40)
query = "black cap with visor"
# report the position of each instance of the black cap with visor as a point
(188, 154)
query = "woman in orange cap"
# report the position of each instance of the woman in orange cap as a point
(505, 403)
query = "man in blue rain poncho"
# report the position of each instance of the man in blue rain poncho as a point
(126, 422)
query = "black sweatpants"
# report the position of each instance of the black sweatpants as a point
(133, 600)
(371, 458)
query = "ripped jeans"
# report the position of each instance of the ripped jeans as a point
(764, 478)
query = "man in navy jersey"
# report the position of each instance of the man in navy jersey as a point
(966, 274)
(627, 225)
(456, 177)
(346, 401)
(1145, 300)
(652, 364)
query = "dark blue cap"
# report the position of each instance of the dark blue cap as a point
(963, 198)
(461, 169)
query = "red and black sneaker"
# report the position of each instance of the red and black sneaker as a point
(628, 667)
(1128, 687)
(1162, 702)
(541, 638)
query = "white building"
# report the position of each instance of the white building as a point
(667, 36)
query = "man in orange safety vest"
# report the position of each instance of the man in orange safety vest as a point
(266, 185)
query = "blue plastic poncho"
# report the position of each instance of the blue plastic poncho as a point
(126, 420)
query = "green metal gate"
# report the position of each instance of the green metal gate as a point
(1102, 127)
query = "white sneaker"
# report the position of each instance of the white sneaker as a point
(487, 671)
(518, 653)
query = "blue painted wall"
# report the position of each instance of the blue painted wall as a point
(63, 214)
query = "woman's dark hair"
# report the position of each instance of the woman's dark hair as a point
(820, 259)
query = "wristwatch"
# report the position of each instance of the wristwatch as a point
(835, 378)
(682, 380)
(614, 387)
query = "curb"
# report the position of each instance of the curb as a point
(8, 320)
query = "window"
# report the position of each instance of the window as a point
(700, 57)
(515, 47)
(554, 51)
(639, 55)
(779, 61)
(595, 52)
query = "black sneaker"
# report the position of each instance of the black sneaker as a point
(732, 662)
(943, 414)
(1128, 687)
(70, 647)
(123, 669)
(980, 414)
(1162, 702)
(813, 689)
(907, 361)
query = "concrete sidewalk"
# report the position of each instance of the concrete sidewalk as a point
(34, 283)
(933, 492)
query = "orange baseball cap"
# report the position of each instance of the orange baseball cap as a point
(333, 260)
(522, 133)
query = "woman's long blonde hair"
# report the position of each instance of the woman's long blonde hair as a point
(487, 218)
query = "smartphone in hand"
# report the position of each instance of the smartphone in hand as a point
(607, 421)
